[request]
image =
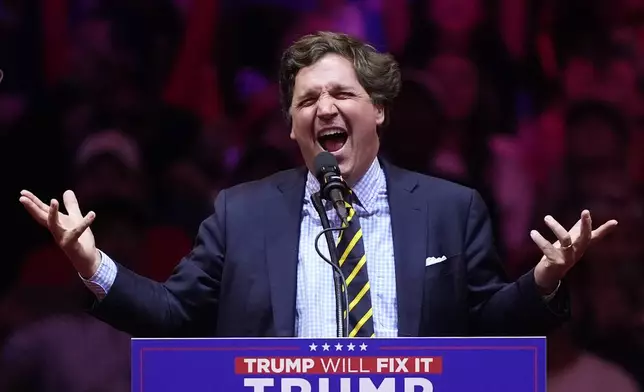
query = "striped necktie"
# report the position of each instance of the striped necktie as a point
(353, 263)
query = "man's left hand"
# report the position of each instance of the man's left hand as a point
(559, 257)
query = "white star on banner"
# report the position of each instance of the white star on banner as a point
(313, 346)
(363, 347)
(351, 346)
(338, 347)
(325, 347)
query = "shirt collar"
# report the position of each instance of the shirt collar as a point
(365, 190)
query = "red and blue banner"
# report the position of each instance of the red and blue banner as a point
(339, 365)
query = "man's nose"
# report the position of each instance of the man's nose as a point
(326, 108)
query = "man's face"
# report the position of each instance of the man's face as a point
(593, 140)
(457, 79)
(580, 79)
(332, 111)
(455, 16)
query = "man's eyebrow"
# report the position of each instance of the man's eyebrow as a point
(331, 86)
(341, 87)
(313, 91)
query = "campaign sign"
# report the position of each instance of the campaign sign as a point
(339, 365)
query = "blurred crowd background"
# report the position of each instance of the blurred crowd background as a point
(146, 108)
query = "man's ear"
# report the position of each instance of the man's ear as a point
(289, 121)
(380, 114)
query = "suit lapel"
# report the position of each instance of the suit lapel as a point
(409, 229)
(282, 249)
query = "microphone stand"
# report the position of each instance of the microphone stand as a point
(340, 294)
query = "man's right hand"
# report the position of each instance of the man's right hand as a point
(71, 232)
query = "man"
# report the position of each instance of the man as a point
(430, 269)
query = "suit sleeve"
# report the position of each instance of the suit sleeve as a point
(186, 304)
(498, 307)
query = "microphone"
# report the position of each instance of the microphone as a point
(332, 186)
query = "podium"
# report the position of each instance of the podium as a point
(514, 364)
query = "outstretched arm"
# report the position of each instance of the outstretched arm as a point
(186, 304)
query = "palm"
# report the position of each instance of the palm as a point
(70, 231)
(84, 245)
(579, 242)
(575, 242)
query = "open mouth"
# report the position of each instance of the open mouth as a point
(333, 139)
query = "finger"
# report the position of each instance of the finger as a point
(71, 204)
(52, 218)
(586, 229)
(80, 229)
(546, 247)
(562, 234)
(35, 200)
(604, 229)
(37, 213)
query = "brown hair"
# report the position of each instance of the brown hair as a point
(378, 73)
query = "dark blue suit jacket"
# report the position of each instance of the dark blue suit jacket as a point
(239, 280)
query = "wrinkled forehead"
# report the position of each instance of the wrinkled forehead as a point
(331, 73)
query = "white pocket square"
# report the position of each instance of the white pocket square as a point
(434, 260)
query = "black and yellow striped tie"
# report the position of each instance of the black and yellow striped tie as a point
(353, 263)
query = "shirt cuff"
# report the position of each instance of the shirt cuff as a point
(103, 279)
(550, 296)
